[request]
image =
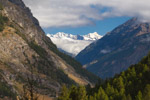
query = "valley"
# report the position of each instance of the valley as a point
(37, 65)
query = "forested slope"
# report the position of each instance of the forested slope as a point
(132, 84)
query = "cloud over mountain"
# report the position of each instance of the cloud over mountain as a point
(73, 44)
(60, 13)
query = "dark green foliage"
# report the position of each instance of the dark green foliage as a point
(64, 94)
(73, 93)
(147, 92)
(6, 91)
(139, 96)
(3, 21)
(20, 34)
(38, 49)
(101, 95)
(132, 84)
(1, 6)
(129, 97)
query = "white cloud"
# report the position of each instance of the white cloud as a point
(105, 51)
(60, 13)
(71, 46)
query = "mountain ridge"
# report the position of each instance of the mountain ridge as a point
(131, 84)
(75, 42)
(123, 46)
(26, 50)
(90, 36)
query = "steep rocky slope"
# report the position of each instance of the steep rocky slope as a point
(25, 50)
(118, 49)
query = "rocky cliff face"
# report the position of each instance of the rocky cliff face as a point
(118, 49)
(25, 50)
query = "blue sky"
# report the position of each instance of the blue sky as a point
(101, 26)
(78, 17)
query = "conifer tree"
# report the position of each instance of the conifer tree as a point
(139, 96)
(64, 93)
(109, 90)
(73, 93)
(101, 95)
(82, 93)
(147, 92)
(129, 97)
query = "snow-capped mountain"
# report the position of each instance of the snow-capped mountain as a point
(73, 44)
(92, 36)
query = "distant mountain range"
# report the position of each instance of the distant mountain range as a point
(73, 44)
(118, 49)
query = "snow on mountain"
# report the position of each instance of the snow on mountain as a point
(73, 44)
(92, 36)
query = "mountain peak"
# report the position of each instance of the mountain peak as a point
(123, 46)
(75, 42)
(92, 36)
